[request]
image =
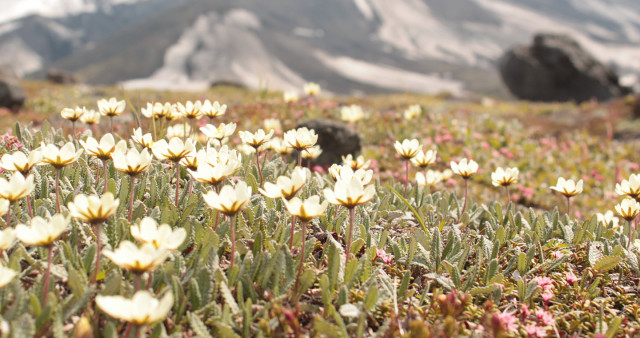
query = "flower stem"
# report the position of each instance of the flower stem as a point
(73, 131)
(29, 206)
(299, 157)
(99, 243)
(104, 174)
(177, 182)
(111, 122)
(133, 182)
(406, 181)
(466, 190)
(258, 163)
(138, 281)
(568, 206)
(233, 241)
(352, 216)
(506, 187)
(58, 188)
(630, 234)
(293, 227)
(303, 229)
(215, 225)
(155, 134)
(7, 219)
(47, 276)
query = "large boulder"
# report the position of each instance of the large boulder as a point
(556, 68)
(335, 139)
(59, 76)
(11, 94)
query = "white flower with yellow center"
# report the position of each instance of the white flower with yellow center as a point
(102, 150)
(628, 208)
(138, 260)
(272, 124)
(286, 187)
(430, 179)
(191, 110)
(173, 151)
(629, 187)
(306, 210)
(412, 112)
(142, 309)
(311, 89)
(4, 207)
(568, 188)
(18, 161)
(213, 110)
(145, 140)
(179, 130)
(93, 209)
(256, 139)
(132, 162)
(408, 149)
(214, 174)
(424, 159)
(301, 138)
(608, 219)
(280, 146)
(71, 114)
(357, 163)
(312, 153)
(290, 96)
(90, 117)
(352, 113)
(157, 110)
(160, 236)
(59, 157)
(504, 177)
(350, 193)
(345, 173)
(111, 107)
(16, 187)
(220, 132)
(42, 232)
(465, 168)
(225, 155)
(230, 200)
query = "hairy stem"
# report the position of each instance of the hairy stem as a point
(47, 275)
(258, 163)
(293, 229)
(177, 181)
(466, 191)
(506, 187)
(99, 243)
(406, 181)
(133, 182)
(352, 216)
(233, 240)
(303, 229)
(29, 208)
(58, 188)
(568, 206)
(630, 234)
(104, 174)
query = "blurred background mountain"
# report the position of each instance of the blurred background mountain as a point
(348, 46)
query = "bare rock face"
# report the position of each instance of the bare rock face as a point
(11, 94)
(335, 139)
(59, 76)
(556, 68)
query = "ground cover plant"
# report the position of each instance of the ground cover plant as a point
(193, 218)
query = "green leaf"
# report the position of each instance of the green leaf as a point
(415, 213)
(228, 298)
(607, 263)
(484, 290)
(199, 328)
(371, 298)
(613, 327)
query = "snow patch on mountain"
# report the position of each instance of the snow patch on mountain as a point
(388, 77)
(16, 49)
(220, 48)
(14, 9)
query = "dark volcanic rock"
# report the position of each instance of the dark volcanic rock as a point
(335, 139)
(59, 76)
(11, 94)
(556, 68)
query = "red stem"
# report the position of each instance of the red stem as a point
(99, 242)
(352, 216)
(258, 163)
(104, 169)
(466, 190)
(233, 241)
(177, 181)
(58, 188)
(293, 227)
(406, 181)
(29, 206)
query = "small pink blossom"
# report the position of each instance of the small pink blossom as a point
(545, 317)
(571, 278)
(507, 321)
(501, 286)
(547, 296)
(558, 254)
(534, 330)
(386, 259)
(545, 283)
(524, 311)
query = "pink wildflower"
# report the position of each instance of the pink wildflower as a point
(506, 320)
(571, 278)
(547, 296)
(534, 330)
(545, 317)
(386, 259)
(524, 310)
(558, 254)
(545, 283)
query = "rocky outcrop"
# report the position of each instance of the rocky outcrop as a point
(556, 68)
(335, 139)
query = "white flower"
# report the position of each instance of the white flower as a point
(220, 132)
(272, 124)
(6, 276)
(301, 138)
(191, 110)
(93, 209)
(504, 177)
(256, 139)
(7, 238)
(568, 188)
(131, 162)
(629, 187)
(42, 232)
(90, 117)
(178, 131)
(350, 193)
(104, 148)
(129, 257)
(424, 159)
(312, 153)
(306, 210)
(213, 110)
(465, 168)
(628, 208)
(408, 149)
(59, 157)
(357, 163)
(160, 236)
(18, 161)
(608, 218)
(142, 309)
(72, 115)
(285, 187)
(431, 178)
(352, 113)
(173, 151)
(412, 112)
(311, 88)
(290, 96)
(111, 107)
(230, 200)
(145, 140)
(17, 187)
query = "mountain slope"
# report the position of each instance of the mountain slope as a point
(346, 45)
